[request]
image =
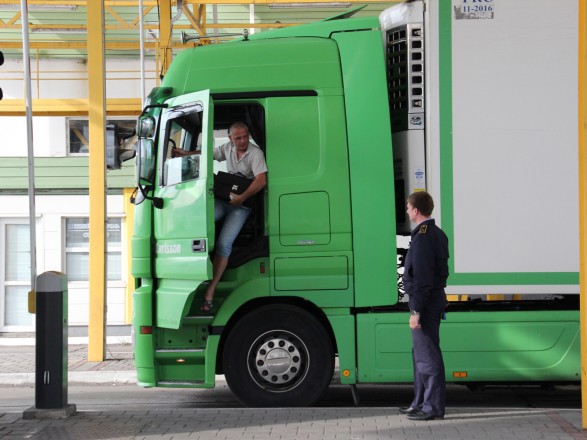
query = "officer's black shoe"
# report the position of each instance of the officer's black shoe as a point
(408, 410)
(421, 415)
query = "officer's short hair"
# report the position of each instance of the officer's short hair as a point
(423, 202)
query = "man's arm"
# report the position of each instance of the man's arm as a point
(256, 185)
(178, 152)
(219, 154)
(422, 271)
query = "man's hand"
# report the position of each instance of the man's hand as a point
(178, 152)
(415, 322)
(256, 185)
(236, 199)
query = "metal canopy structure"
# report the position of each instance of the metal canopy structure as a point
(59, 27)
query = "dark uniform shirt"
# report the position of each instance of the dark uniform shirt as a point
(426, 268)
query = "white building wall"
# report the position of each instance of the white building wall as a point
(49, 136)
(60, 79)
(52, 210)
(68, 79)
(63, 79)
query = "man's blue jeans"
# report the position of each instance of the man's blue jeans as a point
(234, 219)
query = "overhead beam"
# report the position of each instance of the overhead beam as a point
(195, 22)
(70, 107)
(267, 2)
(133, 3)
(83, 3)
(133, 45)
(126, 45)
(165, 36)
(81, 27)
(201, 8)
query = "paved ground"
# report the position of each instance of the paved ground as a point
(18, 364)
(308, 423)
(115, 409)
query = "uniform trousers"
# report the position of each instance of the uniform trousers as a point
(429, 380)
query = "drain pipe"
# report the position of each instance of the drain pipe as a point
(142, 51)
(26, 60)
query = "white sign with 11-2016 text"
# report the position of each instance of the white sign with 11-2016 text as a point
(473, 9)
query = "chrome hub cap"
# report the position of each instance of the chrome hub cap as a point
(278, 360)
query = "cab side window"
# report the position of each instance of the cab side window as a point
(183, 149)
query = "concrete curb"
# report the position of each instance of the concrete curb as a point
(86, 377)
(101, 377)
(77, 340)
(83, 377)
(17, 379)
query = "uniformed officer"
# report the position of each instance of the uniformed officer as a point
(425, 274)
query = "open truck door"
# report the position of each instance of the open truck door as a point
(184, 237)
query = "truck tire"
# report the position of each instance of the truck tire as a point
(278, 356)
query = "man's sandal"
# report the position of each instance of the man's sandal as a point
(206, 306)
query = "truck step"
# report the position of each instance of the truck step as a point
(181, 383)
(182, 367)
(197, 320)
(174, 353)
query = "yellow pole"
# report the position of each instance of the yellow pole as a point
(129, 210)
(582, 97)
(97, 124)
(165, 36)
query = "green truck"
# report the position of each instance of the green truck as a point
(353, 114)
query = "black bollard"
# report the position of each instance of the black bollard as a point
(51, 348)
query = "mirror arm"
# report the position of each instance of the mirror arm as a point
(150, 106)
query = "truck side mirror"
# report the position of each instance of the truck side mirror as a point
(127, 155)
(116, 154)
(146, 127)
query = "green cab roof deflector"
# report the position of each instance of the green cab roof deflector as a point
(346, 14)
(341, 22)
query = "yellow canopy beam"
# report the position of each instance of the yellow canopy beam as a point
(70, 107)
(195, 22)
(165, 35)
(132, 3)
(118, 17)
(84, 3)
(132, 44)
(75, 45)
(268, 2)
(81, 27)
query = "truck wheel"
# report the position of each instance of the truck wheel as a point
(278, 356)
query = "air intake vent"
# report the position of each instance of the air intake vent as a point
(405, 76)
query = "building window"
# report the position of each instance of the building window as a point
(77, 245)
(120, 133)
(17, 274)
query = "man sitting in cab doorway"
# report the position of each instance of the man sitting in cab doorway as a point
(247, 159)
